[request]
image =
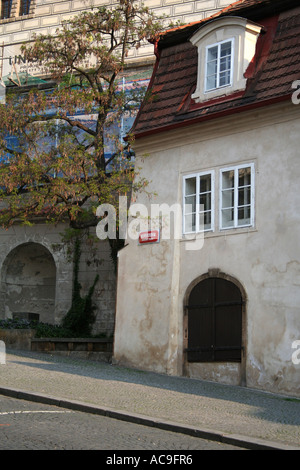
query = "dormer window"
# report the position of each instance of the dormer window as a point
(226, 46)
(219, 62)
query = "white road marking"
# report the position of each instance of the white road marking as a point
(27, 412)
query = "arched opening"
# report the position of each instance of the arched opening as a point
(28, 280)
(214, 325)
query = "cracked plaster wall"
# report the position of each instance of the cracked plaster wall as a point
(153, 280)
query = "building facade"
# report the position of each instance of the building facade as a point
(210, 289)
(36, 273)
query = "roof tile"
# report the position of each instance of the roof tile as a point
(175, 78)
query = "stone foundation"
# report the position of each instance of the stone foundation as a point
(99, 349)
(17, 338)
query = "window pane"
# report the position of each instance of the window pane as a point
(205, 220)
(225, 63)
(227, 218)
(224, 78)
(228, 179)
(244, 214)
(228, 198)
(211, 82)
(244, 195)
(236, 203)
(190, 223)
(226, 49)
(212, 53)
(244, 176)
(190, 186)
(205, 201)
(218, 66)
(212, 68)
(205, 183)
(198, 209)
(190, 204)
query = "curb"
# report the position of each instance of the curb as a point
(244, 442)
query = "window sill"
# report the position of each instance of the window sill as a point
(223, 93)
(214, 101)
(220, 233)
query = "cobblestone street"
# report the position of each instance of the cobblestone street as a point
(32, 426)
(238, 414)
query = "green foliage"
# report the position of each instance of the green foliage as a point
(80, 318)
(59, 169)
(45, 330)
(42, 330)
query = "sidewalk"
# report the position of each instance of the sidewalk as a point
(235, 415)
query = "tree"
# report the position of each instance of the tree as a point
(54, 138)
(53, 162)
(80, 317)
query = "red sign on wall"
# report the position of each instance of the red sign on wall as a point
(152, 236)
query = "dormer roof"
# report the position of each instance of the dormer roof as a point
(275, 66)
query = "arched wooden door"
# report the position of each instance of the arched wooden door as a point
(214, 322)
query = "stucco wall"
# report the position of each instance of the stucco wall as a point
(264, 260)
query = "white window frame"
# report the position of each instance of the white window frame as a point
(235, 206)
(244, 34)
(198, 210)
(210, 46)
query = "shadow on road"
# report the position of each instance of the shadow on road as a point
(266, 406)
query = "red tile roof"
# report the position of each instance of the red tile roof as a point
(276, 66)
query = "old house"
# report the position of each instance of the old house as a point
(217, 295)
(35, 275)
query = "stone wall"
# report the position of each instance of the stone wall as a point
(45, 16)
(28, 282)
(37, 275)
(17, 339)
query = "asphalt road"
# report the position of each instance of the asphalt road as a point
(27, 425)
